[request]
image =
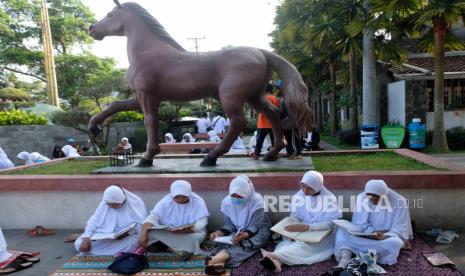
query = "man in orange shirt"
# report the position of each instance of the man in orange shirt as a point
(263, 124)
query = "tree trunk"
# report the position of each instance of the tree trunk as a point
(353, 114)
(439, 133)
(370, 106)
(318, 112)
(333, 113)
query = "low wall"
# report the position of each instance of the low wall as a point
(435, 197)
(14, 139)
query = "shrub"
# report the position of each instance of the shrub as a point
(349, 136)
(14, 94)
(250, 126)
(456, 138)
(128, 116)
(19, 117)
(138, 139)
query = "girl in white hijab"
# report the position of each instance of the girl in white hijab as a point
(245, 221)
(118, 209)
(182, 209)
(32, 158)
(213, 137)
(382, 211)
(313, 208)
(169, 139)
(187, 138)
(237, 146)
(5, 162)
(126, 145)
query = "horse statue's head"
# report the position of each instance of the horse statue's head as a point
(110, 25)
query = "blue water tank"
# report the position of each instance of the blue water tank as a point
(417, 133)
(369, 137)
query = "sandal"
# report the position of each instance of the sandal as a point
(215, 270)
(40, 231)
(17, 265)
(446, 237)
(31, 259)
(434, 232)
(268, 264)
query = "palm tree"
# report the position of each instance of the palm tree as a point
(432, 21)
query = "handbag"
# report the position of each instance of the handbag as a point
(129, 263)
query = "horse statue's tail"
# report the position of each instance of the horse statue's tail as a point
(294, 91)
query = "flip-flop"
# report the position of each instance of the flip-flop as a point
(268, 264)
(434, 232)
(7, 270)
(446, 237)
(40, 231)
(215, 270)
(33, 260)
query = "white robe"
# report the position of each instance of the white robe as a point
(169, 213)
(203, 124)
(70, 151)
(396, 223)
(219, 124)
(5, 162)
(297, 252)
(4, 254)
(237, 146)
(109, 220)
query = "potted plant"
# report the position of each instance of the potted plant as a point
(393, 134)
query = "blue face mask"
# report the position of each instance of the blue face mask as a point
(239, 201)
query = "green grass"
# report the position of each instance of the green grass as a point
(335, 142)
(68, 167)
(382, 161)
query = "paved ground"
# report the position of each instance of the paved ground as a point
(224, 165)
(454, 251)
(54, 252)
(454, 158)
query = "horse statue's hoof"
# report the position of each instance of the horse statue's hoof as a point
(208, 162)
(95, 130)
(145, 163)
(270, 158)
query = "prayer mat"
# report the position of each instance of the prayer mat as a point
(159, 264)
(409, 263)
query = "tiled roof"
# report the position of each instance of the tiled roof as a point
(419, 65)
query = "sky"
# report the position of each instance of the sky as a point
(221, 22)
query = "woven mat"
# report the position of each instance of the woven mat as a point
(159, 264)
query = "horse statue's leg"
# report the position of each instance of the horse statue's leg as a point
(114, 107)
(234, 111)
(272, 114)
(150, 108)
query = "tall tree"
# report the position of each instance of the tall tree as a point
(432, 21)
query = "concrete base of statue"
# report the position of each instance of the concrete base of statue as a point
(225, 164)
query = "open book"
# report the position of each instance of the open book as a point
(115, 235)
(351, 228)
(169, 228)
(306, 236)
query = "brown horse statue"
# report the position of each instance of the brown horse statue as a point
(161, 70)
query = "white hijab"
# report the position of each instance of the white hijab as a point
(174, 214)
(4, 254)
(31, 158)
(317, 208)
(396, 220)
(240, 215)
(127, 145)
(5, 162)
(238, 144)
(169, 138)
(214, 136)
(108, 220)
(190, 138)
(70, 151)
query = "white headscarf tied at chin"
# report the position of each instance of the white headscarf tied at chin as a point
(377, 187)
